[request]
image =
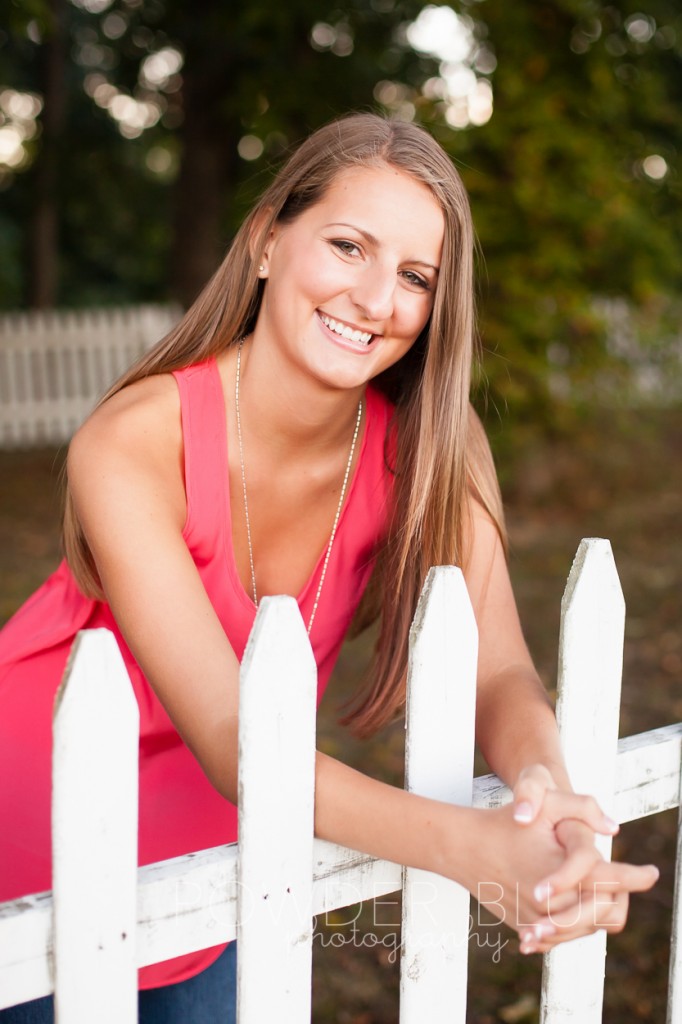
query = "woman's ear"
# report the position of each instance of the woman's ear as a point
(261, 234)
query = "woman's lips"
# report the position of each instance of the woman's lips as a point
(344, 331)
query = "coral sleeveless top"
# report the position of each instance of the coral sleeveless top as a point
(179, 810)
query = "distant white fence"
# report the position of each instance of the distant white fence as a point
(54, 365)
(105, 917)
(643, 346)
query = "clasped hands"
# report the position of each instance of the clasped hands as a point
(564, 888)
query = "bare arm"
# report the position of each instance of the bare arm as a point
(515, 721)
(125, 472)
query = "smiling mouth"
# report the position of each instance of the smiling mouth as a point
(345, 330)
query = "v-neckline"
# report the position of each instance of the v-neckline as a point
(227, 516)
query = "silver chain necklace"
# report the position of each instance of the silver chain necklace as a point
(246, 503)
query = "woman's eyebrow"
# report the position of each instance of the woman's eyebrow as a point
(366, 234)
(373, 240)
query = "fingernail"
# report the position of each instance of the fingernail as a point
(542, 891)
(523, 812)
(611, 825)
(543, 931)
(526, 948)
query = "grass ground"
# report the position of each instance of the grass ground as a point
(619, 478)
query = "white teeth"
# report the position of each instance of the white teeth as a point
(344, 331)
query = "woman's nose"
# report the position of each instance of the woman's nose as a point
(374, 294)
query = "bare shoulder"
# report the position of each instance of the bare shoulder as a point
(135, 434)
(149, 409)
(481, 523)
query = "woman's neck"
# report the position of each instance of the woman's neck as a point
(285, 408)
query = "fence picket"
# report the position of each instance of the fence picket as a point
(54, 365)
(674, 1011)
(94, 829)
(439, 758)
(12, 434)
(588, 702)
(191, 902)
(278, 685)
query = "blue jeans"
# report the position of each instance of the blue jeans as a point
(207, 998)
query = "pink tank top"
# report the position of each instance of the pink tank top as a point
(179, 809)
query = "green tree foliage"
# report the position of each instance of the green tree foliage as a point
(113, 230)
(584, 94)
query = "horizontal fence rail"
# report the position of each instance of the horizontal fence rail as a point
(54, 365)
(271, 890)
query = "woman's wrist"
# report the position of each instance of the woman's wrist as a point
(458, 836)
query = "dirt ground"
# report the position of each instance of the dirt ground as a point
(618, 477)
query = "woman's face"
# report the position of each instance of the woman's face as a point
(351, 281)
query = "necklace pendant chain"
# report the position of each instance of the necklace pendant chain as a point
(346, 476)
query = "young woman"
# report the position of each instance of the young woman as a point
(305, 426)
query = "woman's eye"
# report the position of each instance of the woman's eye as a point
(346, 247)
(416, 279)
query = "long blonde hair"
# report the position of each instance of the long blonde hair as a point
(441, 456)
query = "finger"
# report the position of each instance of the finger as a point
(572, 833)
(578, 865)
(536, 939)
(582, 858)
(588, 916)
(603, 910)
(566, 902)
(601, 877)
(560, 805)
(555, 903)
(621, 876)
(598, 914)
(529, 792)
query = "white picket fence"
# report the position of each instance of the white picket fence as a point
(54, 365)
(105, 917)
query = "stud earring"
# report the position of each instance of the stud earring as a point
(261, 269)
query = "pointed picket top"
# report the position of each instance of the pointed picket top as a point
(94, 834)
(590, 668)
(439, 757)
(593, 565)
(441, 697)
(278, 685)
(109, 689)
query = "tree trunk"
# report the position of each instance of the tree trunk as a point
(205, 174)
(44, 227)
